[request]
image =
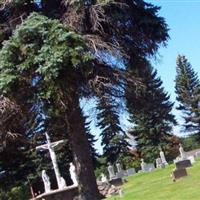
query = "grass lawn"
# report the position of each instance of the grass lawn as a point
(158, 185)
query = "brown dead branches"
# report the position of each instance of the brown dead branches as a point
(10, 118)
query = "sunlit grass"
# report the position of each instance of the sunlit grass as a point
(158, 185)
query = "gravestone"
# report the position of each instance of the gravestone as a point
(150, 167)
(158, 162)
(120, 174)
(192, 159)
(182, 152)
(162, 157)
(179, 173)
(147, 167)
(131, 171)
(143, 165)
(180, 170)
(197, 154)
(183, 164)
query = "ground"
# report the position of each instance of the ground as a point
(158, 185)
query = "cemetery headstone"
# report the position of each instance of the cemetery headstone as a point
(162, 156)
(182, 152)
(159, 163)
(197, 154)
(179, 173)
(131, 171)
(143, 165)
(192, 159)
(183, 164)
(147, 167)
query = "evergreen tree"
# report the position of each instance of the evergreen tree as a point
(113, 137)
(150, 112)
(188, 94)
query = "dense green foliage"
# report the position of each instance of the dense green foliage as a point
(151, 113)
(188, 94)
(15, 193)
(37, 53)
(190, 142)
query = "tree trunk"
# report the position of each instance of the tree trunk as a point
(81, 153)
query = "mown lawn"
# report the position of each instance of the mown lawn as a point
(158, 185)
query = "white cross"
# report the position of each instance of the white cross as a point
(50, 146)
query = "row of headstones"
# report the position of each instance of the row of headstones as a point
(161, 162)
(145, 167)
(120, 173)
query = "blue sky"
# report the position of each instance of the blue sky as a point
(183, 19)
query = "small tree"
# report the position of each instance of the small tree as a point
(188, 94)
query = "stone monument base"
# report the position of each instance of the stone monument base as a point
(65, 194)
(179, 173)
(116, 182)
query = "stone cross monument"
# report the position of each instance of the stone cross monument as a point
(182, 152)
(50, 146)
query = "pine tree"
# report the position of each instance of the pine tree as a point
(150, 112)
(113, 137)
(188, 94)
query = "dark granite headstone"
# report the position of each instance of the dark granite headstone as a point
(183, 164)
(179, 173)
(116, 182)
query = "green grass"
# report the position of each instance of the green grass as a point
(158, 185)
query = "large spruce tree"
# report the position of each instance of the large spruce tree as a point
(188, 94)
(113, 136)
(150, 112)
